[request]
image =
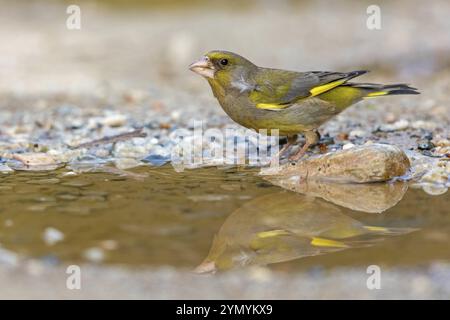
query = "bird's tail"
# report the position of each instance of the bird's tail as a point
(375, 90)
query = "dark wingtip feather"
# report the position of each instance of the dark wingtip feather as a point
(401, 88)
(357, 73)
(403, 91)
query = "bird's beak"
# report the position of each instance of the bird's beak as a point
(203, 67)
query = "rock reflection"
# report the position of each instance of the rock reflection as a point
(369, 197)
(285, 226)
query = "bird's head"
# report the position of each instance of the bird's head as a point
(223, 67)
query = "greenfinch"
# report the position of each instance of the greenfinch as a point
(288, 101)
(284, 226)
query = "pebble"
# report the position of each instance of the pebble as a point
(115, 120)
(424, 144)
(420, 124)
(359, 164)
(435, 176)
(443, 143)
(5, 169)
(67, 197)
(209, 197)
(44, 181)
(74, 209)
(94, 254)
(347, 146)
(68, 174)
(52, 236)
(39, 207)
(77, 183)
(129, 150)
(443, 151)
(396, 126)
(126, 163)
(156, 159)
(34, 159)
(358, 134)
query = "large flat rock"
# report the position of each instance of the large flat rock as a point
(360, 164)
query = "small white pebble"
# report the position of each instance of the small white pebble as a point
(52, 236)
(347, 146)
(358, 133)
(68, 174)
(175, 115)
(115, 120)
(94, 255)
(154, 140)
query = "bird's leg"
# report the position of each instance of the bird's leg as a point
(311, 138)
(290, 141)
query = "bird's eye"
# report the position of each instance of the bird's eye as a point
(223, 62)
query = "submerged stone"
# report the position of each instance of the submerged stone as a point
(156, 159)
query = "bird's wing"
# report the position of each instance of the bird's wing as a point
(279, 89)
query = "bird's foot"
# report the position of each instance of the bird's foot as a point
(276, 158)
(300, 153)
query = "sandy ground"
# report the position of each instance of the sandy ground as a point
(35, 282)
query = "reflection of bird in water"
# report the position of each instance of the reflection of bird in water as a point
(285, 226)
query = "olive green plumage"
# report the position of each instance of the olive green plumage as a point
(291, 102)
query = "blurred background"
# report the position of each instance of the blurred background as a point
(146, 44)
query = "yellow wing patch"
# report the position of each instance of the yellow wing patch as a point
(322, 242)
(271, 106)
(376, 94)
(376, 229)
(326, 87)
(272, 233)
(313, 92)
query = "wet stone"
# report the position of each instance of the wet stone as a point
(39, 207)
(92, 198)
(44, 181)
(367, 163)
(35, 159)
(67, 197)
(156, 160)
(74, 209)
(77, 183)
(425, 145)
(5, 169)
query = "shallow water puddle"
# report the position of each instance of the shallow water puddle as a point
(218, 219)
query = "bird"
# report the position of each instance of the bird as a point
(288, 101)
(284, 226)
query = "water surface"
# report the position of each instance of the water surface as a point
(218, 219)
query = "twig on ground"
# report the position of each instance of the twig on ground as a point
(113, 139)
